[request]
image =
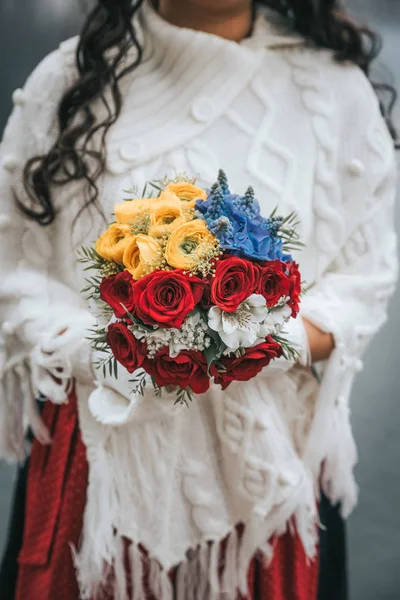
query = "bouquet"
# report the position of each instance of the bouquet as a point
(193, 286)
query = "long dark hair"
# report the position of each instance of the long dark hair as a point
(110, 26)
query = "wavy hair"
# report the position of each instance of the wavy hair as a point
(110, 26)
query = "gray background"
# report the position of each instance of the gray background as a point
(31, 28)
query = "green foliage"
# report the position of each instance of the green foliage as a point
(184, 396)
(215, 350)
(97, 339)
(289, 352)
(139, 379)
(103, 268)
(88, 255)
(288, 232)
(157, 389)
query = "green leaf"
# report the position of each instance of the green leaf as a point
(211, 353)
(273, 212)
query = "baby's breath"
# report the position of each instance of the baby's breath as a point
(190, 213)
(179, 178)
(205, 258)
(110, 268)
(141, 224)
(192, 335)
(159, 262)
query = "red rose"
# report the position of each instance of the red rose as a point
(128, 351)
(189, 368)
(235, 280)
(248, 365)
(165, 298)
(295, 287)
(274, 283)
(117, 290)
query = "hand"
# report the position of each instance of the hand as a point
(114, 402)
(64, 350)
(321, 343)
(295, 332)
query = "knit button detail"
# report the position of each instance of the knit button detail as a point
(341, 400)
(287, 477)
(10, 163)
(7, 328)
(4, 221)
(18, 97)
(131, 151)
(356, 167)
(202, 110)
(358, 365)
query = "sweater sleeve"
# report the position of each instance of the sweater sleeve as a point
(33, 303)
(350, 298)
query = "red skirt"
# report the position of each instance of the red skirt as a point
(55, 503)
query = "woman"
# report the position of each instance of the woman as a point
(161, 501)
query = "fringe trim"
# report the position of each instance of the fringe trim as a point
(205, 573)
(18, 410)
(12, 443)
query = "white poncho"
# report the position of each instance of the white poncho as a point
(307, 133)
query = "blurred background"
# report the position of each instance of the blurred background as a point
(29, 29)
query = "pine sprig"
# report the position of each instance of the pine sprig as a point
(97, 339)
(289, 352)
(305, 287)
(289, 234)
(139, 379)
(288, 231)
(91, 289)
(109, 364)
(184, 396)
(157, 389)
(88, 255)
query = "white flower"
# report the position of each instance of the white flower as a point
(190, 336)
(273, 322)
(278, 317)
(141, 333)
(241, 328)
(176, 344)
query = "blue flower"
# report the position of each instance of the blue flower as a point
(222, 228)
(250, 239)
(223, 182)
(248, 204)
(237, 224)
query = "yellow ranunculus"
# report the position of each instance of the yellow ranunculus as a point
(129, 210)
(112, 243)
(165, 197)
(188, 244)
(141, 255)
(166, 214)
(157, 231)
(187, 192)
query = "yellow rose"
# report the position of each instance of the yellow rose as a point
(187, 192)
(112, 243)
(141, 255)
(129, 210)
(188, 244)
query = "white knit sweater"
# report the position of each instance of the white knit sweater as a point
(307, 133)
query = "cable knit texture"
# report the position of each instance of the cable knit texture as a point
(307, 133)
